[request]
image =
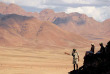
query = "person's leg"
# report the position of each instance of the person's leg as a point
(74, 66)
(77, 66)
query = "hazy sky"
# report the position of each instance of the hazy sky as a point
(98, 9)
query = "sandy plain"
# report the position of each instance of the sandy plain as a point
(20, 60)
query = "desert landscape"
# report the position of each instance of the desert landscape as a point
(19, 60)
(36, 42)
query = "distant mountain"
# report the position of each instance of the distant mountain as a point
(106, 26)
(73, 22)
(78, 23)
(106, 29)
(15, 9)
(16, 30)
(11, 9)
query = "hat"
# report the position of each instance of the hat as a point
(92, 43)
(101, 43)
(74, 49)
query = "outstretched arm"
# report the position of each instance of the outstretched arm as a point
(67, 53)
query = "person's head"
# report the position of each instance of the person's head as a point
(101, 44)
(108, 43)
(92, 44)
(74, 50)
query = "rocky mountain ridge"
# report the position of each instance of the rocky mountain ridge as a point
(16, 30)
(81, 24)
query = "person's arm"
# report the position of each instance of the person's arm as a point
(78, 57)
(67, 53)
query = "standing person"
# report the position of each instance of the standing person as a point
(92, 48)
(75, 58)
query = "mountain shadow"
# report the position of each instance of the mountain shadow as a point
(68, 19)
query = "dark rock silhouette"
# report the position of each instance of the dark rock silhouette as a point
(73, 72)
(96, 63)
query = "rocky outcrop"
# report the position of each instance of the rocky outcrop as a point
(98, 63)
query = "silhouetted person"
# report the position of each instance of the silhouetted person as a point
(91, 52)
(102, 49)
(107, 49)
(75, 58)
(92, 48)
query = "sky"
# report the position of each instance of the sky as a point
(98, 9)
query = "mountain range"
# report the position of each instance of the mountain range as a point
(48, 28)
(17, 30)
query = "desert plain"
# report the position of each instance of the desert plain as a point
(22, 60)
